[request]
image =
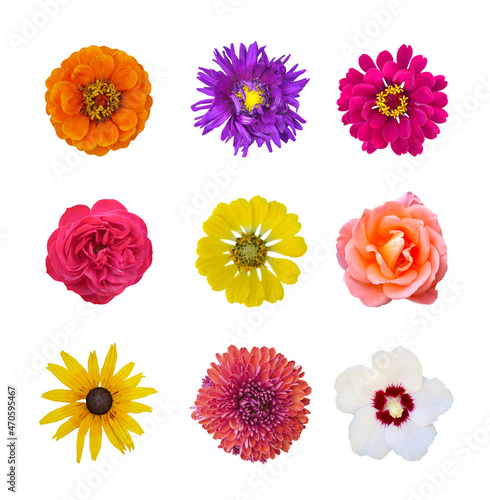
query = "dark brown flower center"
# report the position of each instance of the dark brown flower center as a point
(99, 401)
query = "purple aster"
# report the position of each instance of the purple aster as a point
(253, 96)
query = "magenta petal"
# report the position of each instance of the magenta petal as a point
(439, 116)
(355, 108)
(346, 93)
(403, 76)
(366, 63)
(105, 206)
(422, 95)
(440, 84)
(375, 77)
(389, 71)
(404, 127)
(354, 76)
(74, 214)
(366, 90)
(439, 100)
(354, 129)
(383, 58)
(377, 138)
(416, 138)
(377, 120)
(364, 133)
(417, 116)
(400, 146)
(418, 64)
(424, 79)
(430, 130)
(367, 109)
(390, 130)
(404, 55)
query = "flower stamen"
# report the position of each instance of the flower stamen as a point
(392, 101)
(249, 251)
(100, 100)
(251, 95)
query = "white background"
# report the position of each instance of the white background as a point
(171, 323)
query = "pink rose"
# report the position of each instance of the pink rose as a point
(99, 252)
(395, 251)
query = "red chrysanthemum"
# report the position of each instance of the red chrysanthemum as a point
(254, 402)
(393, 102)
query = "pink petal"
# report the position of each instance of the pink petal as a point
(390, 130)
(74, 214)
(404, 55)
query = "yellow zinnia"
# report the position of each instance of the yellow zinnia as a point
(235, 254)
(108, 400)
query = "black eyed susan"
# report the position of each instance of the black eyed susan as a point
(239, 252)
(108, 399)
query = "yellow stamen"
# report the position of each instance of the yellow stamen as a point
(100, 100)
(252, 98)
(249, 251)
(392, 101)
(395, 408)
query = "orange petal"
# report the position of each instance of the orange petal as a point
(103, 66)
(125, 119)
(134, 99)
(88, 54)
(56, 113)
(122, 59)
(58, 127)
(124, 78)
(106, 133)
(71, 102)
(142, 117)
(58, 89)
(88, 142)
(54, 77)
(82, 75)
(76, 127)
(124, 136)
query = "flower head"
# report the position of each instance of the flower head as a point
(240, 239)
(253, 402)
(253, 95)
(394, 406)
(99, 252)
(393, 102)
(98, 100)
(395, 251)
(97, 400)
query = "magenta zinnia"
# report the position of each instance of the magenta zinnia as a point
(254, 402)
(253, 95)
(393, 102)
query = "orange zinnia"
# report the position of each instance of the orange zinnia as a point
(99, 99)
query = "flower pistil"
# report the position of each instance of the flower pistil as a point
(100, 100)
(249, 251)
(392, 101)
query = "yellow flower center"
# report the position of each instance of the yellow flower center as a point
(395, 408)
(252, 97)
(100, 100)
(392, 101)
(249, 251)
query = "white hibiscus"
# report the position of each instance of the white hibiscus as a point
(393, 405)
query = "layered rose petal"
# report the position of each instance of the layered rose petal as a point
(98, 253)
(393, 103)
(98, 119)
(394, 251)
(254, 402)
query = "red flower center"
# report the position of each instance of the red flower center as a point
(394, 405)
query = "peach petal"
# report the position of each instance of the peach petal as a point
(423, 246)
(437, 240)
(345, 234)
(385, 270)
(376, 277)
(434, 260)
(82, 75)
(359, 235)
(402, 292)
(410, 227)
(421, 212)
(356, 264)
(103, 66)
(369, 294)
(124, 78)
(76, 126)
(88, 54)
(125, 119)
(388, 208)
(71, 102)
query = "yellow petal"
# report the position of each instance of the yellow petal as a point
(239, 289)
(121, 433)
(275, 215)
(95, 436)
(217, 227)
(62, 413)
(286, 270)
(130, 423)
(93, 369)
(132, 407)
(108, 366)
(209, 247)
(220, 277)
(272, 286)
(132, 381)
(257, 293)
(121, 375)
(62, 395)
(223, 210)
(76, 369)
(82, 432)
(65, 377)
(111, 435)
(260, 208)
(241, 211)
(288, 227)
(70, 425)
(205, 265)
(294, 246)
(133, 393)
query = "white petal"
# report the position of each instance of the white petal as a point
(409, 440)
(432, 400)
(356, 387)
(367, 434)
(400, 367)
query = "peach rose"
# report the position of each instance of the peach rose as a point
(395, 251)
